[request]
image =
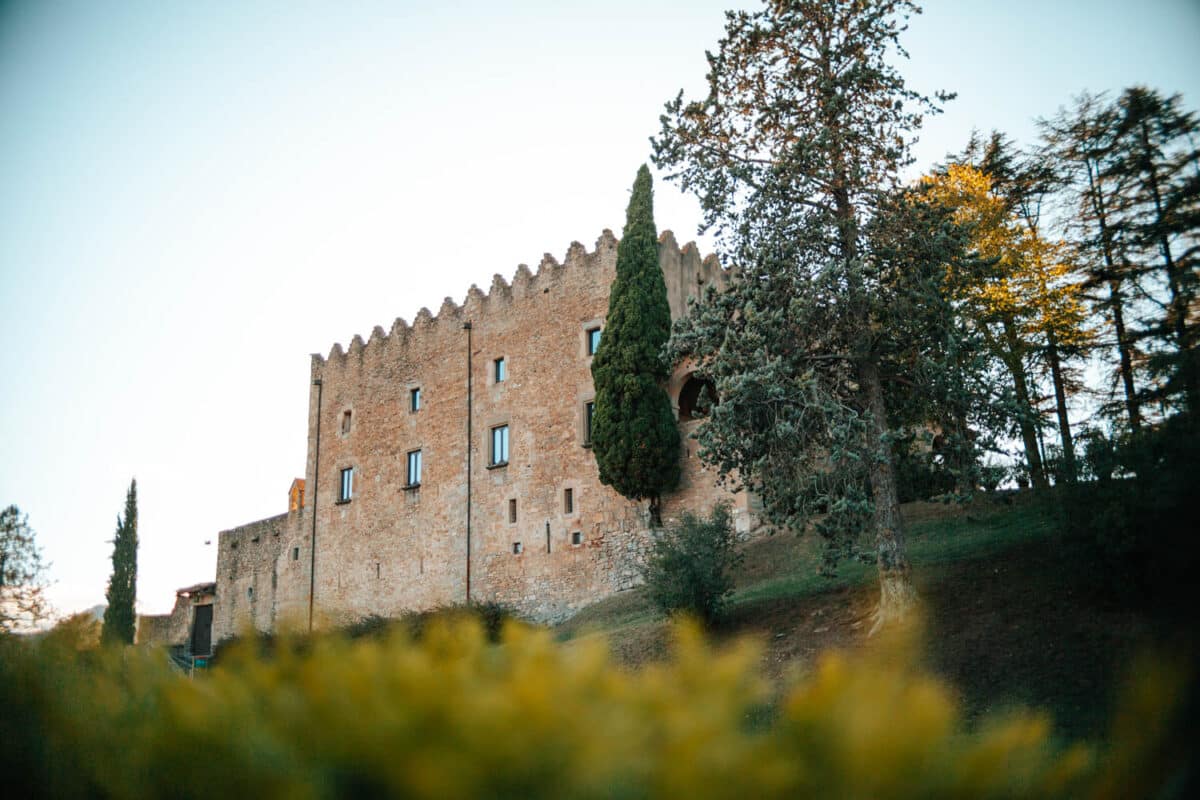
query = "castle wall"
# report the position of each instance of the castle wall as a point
(393, 548)
(248, 569)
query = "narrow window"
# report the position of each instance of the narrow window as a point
(517, 548)
(414, 468)
(589, 410)
(512, 510)
(346, 488)
(501, 371)
(378, 571)
(250, 592)
(346, 422)
(295, 554)
(499, 445)
(576, 538)
(593, 341)
(414, 399)
(568, 501)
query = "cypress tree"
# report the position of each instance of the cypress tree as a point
(634, 435)
(120, 620)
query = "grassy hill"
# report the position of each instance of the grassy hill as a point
(1016, 613)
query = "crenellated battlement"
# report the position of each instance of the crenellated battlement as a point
(425, 432)
(684, 271)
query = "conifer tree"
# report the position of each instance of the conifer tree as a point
(120, 620)
(634, 435)
(839, 309)
(23, 601)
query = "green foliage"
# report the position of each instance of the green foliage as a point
(919, 473)
(690, 565)
(120, 619)
(452, 716)
(634, 435)
(838, 331)
(22, 588)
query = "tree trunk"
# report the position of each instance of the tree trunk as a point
(1025, 418)
(1125, 351)
(896, 592)
(1069, 471)
(1124, 347)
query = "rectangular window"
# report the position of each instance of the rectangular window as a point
(414, 399)
(414, 468)
(568, 501)
(499, 445)
(577, 538)
(501, 371)
(593, 341)
(512, 510)
(517, 548)
(295, 554)
(346, 422)
(346, 487)
(589, 410)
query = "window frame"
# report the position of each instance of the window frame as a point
(592, 339)
(499, 369)
(493, 460)
(414, 399)
(589, 412)
(569, 500)
(345, 485)
(408, 468)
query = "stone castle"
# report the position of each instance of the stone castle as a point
(449, 460)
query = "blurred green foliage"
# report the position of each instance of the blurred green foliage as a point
(452, 715)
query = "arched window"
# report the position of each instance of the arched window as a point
(696, 398)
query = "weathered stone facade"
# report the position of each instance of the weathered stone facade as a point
(546, 537)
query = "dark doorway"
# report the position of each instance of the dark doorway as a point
(202, 631)
(696, 399)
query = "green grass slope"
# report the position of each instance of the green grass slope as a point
(1015, 613)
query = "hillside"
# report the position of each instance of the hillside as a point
(1016, 614)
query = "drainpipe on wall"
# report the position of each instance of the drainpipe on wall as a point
(467, 328)
(312, 565)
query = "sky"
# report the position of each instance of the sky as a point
(194, 197)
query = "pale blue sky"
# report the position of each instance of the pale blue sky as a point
(195, 196)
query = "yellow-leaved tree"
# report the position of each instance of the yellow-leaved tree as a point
(1028, 305)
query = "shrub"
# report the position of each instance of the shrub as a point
(453, 716)
(688, 566)
(1139, 513)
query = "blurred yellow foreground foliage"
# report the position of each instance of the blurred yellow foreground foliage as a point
(450, 715)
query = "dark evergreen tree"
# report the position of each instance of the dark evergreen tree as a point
(1082, 140)
(120, 619)
(634, 435)
(838, 332)
(22, 587)
(1157, 159)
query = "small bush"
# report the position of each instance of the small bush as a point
(688, 567)
(1138, 513)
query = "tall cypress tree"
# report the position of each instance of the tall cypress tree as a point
(120, 620)
(634, 435)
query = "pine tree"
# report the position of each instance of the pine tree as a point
(120, 620)
(634, 435)
(1082, 140)
(837, 334)
(1157, 160)
(23, 601)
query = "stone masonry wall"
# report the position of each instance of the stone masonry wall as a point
(394, 547)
